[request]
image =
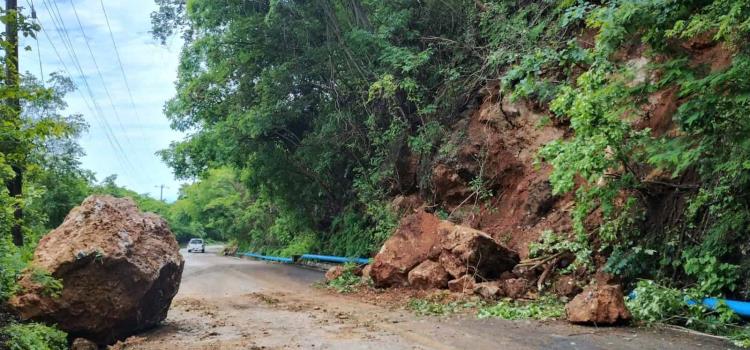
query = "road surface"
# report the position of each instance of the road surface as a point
(230, 303)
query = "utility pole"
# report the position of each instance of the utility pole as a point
(14, 185)
(161, 191)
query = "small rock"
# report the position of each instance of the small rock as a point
(599, 305)
(604, 278)
(334, 273)
(464, 284)
(366, 271)
(428, 275)
(83, 344)
(514, 287)
(566, 286)
(452, 264)
(488, 290)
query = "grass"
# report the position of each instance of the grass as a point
(348, 282)
(544, 308)
(424, 307)
(442, 303)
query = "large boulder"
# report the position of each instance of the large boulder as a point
(428, 275)
(120, 269)
(416, 239)
(598, 305)
(469, 251)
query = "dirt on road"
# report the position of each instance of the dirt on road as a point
(231, 303)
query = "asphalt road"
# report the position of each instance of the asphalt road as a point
(231, 303)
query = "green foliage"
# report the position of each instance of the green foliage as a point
(34, 336)
(51, 286)
(299, 112)
(348, 281)
(653, 303)
(212, 208)
(551, 243)
(315, 102)
(436, 305)
(536, 76)
(11, 265)
(544, 308)
(647, 231)
(608, 160)
(428, 136)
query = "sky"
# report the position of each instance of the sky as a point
(122, 139)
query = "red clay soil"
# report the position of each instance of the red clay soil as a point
(501, 143)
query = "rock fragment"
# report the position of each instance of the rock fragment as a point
(428, 275)
(598, 305)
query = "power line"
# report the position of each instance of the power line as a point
(38, 48)
(98, 114)
(104, 83)
(119, 62)
(139, 121)
(99, 71)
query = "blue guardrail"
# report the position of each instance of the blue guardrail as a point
(269, 258)
(314, 257)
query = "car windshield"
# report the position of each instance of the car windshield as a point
(196, 241)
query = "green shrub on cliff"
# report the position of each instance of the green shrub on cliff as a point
(34, 336)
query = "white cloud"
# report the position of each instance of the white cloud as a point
(151, 71)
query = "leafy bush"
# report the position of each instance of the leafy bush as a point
(551, 243)
(652, 303)
(348, 281)
(11, 265)
(442, 303)
(34, 336)
(544, 308)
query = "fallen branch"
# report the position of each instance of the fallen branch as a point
(545, 274)
(693, 332)
(536, 262)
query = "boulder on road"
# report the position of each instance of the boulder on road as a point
(428, 275)
(598, 305)
(416, 239)
(120, 269)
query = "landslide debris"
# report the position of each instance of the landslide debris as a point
(426, 252)
(416, 239)
(120, 269)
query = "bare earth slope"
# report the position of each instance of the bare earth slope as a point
(230, 303)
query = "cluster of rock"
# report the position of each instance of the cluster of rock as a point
(428, 253)
(120, 269)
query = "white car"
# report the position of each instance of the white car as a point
(196, 245)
